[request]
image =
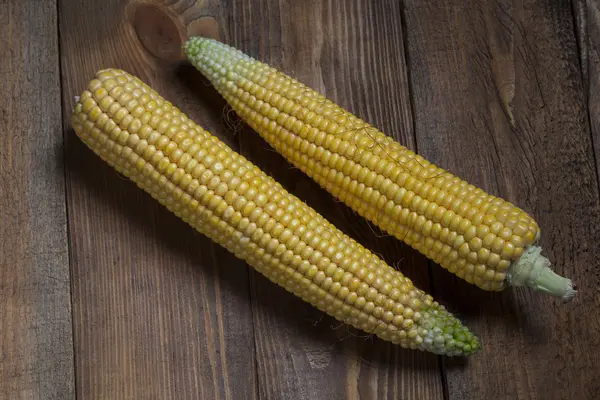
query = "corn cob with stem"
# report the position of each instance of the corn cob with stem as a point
(480, 238)
(227, 198)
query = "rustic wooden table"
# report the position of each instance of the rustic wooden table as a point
(106, 295)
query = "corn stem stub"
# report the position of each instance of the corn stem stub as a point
(482, 239)
(225, 197)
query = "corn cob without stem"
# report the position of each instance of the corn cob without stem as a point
(227, 198)
(481, 238)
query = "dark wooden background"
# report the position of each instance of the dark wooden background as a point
(105, 295)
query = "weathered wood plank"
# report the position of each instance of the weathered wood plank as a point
(353, 52)
(498, 99)
(160, 311)
(36, 350)
(587, 24)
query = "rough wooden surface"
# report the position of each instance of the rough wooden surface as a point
(498, 99)
(587, 25)
(36, 348)
(503, 93)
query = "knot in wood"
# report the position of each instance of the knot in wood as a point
(160, 33)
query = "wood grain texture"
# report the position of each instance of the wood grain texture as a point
(160, 311)
(353, 52)
(587, 24)
(498, 100)
(36, 350)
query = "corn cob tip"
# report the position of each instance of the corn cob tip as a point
(192, 45)
(532, 269)
(445, 334)
(196, 45)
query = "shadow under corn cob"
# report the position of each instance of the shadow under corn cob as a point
(227, 198)
(480, 238)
